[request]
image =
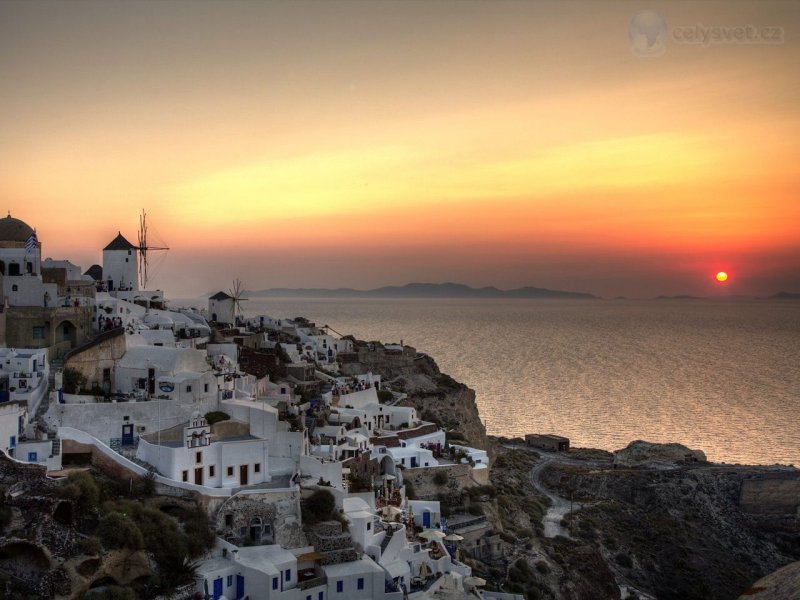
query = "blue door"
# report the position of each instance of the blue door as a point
(33, 457)
(217, 588)
(426, 519)
(239, 587)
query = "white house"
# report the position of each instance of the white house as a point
(227, 460)
(13, 417)
(222, 308)
(24, 376)
(142, 366)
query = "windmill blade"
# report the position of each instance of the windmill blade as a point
(143, 250)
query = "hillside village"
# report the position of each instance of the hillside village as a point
(149, 451)
(259, 421)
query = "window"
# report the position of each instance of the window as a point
(185, 476)
(205, 387)
(361, 583)
(211, 471)
(188, 388)
(369, 526)
(308, 597)
(287, 575)
(228, 520)
(15, 288)
(257, 468)
(230, 471)
(198, 457)
(320, 596)
(339, 587)
(126, 260)
(230, 580)
(33, 457)
(38, 332)
(274, 583)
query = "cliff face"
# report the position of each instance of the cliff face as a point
(679, 533)
(435, 395)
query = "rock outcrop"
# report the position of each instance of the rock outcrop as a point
(648, 454)
(783, 584)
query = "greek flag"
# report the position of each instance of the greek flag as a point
(30, 245)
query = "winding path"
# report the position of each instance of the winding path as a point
(559, 507)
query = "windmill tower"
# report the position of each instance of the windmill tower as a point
(226, 308)
(124, 264)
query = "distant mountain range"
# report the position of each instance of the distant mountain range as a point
(420, 290)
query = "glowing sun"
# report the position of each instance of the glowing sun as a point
(722, 276)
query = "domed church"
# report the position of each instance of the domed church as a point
(45, 305)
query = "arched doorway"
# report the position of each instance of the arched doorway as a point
(67, 332)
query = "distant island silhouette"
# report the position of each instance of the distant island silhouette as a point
(423, 290)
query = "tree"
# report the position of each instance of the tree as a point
(319, 506)
(73, 380)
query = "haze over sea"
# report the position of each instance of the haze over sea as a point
(718, 375)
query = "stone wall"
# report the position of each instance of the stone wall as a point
(459, 478)
(330, 539)
(276, 513)
(103, 353)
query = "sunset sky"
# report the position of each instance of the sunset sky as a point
(360, 144)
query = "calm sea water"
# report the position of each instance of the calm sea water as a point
(721, 376)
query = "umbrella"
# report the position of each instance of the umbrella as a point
(432, 534)
(392, 511)
(475, 581)
(453, 537)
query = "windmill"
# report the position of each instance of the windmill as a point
(236, 293)
(143, 249)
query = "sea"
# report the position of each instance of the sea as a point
(722, 376)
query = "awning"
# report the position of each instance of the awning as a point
(398, 568)
(311, 556)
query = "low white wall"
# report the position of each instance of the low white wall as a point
(104, 420)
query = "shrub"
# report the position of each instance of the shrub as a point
(475, 509)
(384, 396)
(91, 545)
(319, 506)
(82, 488)
(623, 560)
(411, 493)
(72, 380)
(147, 484)
(542, 567)
(112, 592)
(215, 416)
(117, 530)
(440, 478)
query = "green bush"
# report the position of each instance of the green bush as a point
(112, 592)
(319, 506)
(623, 560)
(81, 488)
(215, 416)
(72, 380)
(90, 545)
(384, 396)
(118, 530)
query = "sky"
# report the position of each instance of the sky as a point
(361, 144)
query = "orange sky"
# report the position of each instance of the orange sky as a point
(361, 144)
